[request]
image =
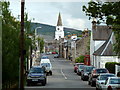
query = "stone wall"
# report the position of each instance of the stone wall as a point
(82, 46)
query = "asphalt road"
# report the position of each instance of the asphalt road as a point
(63, 76)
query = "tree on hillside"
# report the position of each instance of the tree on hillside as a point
(109, 13)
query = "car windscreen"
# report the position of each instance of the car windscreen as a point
(36, 70)
(45, 64)
(104, 77)
(114, 81)
(88, 69)
(101, 70)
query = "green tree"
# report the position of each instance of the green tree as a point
(107, 12)
(11, 45)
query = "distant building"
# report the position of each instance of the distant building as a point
(59, 33)
(85, 33)
(74, 37)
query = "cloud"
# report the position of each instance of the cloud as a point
(72, 8)
(76, 23)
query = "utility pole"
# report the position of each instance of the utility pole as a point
(22, 51)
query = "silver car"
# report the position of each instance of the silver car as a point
(101, 79)
(112, 83)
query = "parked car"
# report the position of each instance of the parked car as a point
(54, 52)
(80, 68)
(47, 64)
(44, 57)
(111, 83)
(94, 74)
(85, 72)
(101, 79)
(76, 66)
(56, 56)
(48, 53)
(36, 75)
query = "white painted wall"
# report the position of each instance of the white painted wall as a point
(104, 59)
(94, 45)
(59, 32)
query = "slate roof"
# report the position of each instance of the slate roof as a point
(108, 51)
(101, 32)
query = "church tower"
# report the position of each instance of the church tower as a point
(59, 33)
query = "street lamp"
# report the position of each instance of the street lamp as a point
(36, 30)
(36, 37)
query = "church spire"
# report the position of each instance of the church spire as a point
(59, 23)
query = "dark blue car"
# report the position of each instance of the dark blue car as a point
(36, 75)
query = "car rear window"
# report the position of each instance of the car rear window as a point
(88, 69)
(45, 64)
(44, 57)
(114, 81)
(101, 70)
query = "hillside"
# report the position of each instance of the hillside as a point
(47, 31)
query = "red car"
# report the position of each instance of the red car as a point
(54, 53)
(76, 66)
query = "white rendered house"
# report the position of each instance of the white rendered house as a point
(101, 46)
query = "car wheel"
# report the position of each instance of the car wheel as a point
(50, 72)
(97, 88)
(83, 79)
(43, 83)
(75, 71)
(92, 84)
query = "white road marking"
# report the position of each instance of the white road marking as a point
(63, 74)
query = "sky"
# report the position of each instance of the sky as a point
(47, 12)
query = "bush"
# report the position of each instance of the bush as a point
(111, 66)
(80, 59)
(118, 74)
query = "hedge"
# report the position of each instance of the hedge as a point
(80, 59)
(111, 66)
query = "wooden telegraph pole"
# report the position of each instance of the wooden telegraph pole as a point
(22, 47)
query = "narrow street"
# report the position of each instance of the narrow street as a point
(63, 76)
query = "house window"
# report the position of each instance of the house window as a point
(58, 29)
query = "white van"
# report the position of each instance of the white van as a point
(47, 64)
